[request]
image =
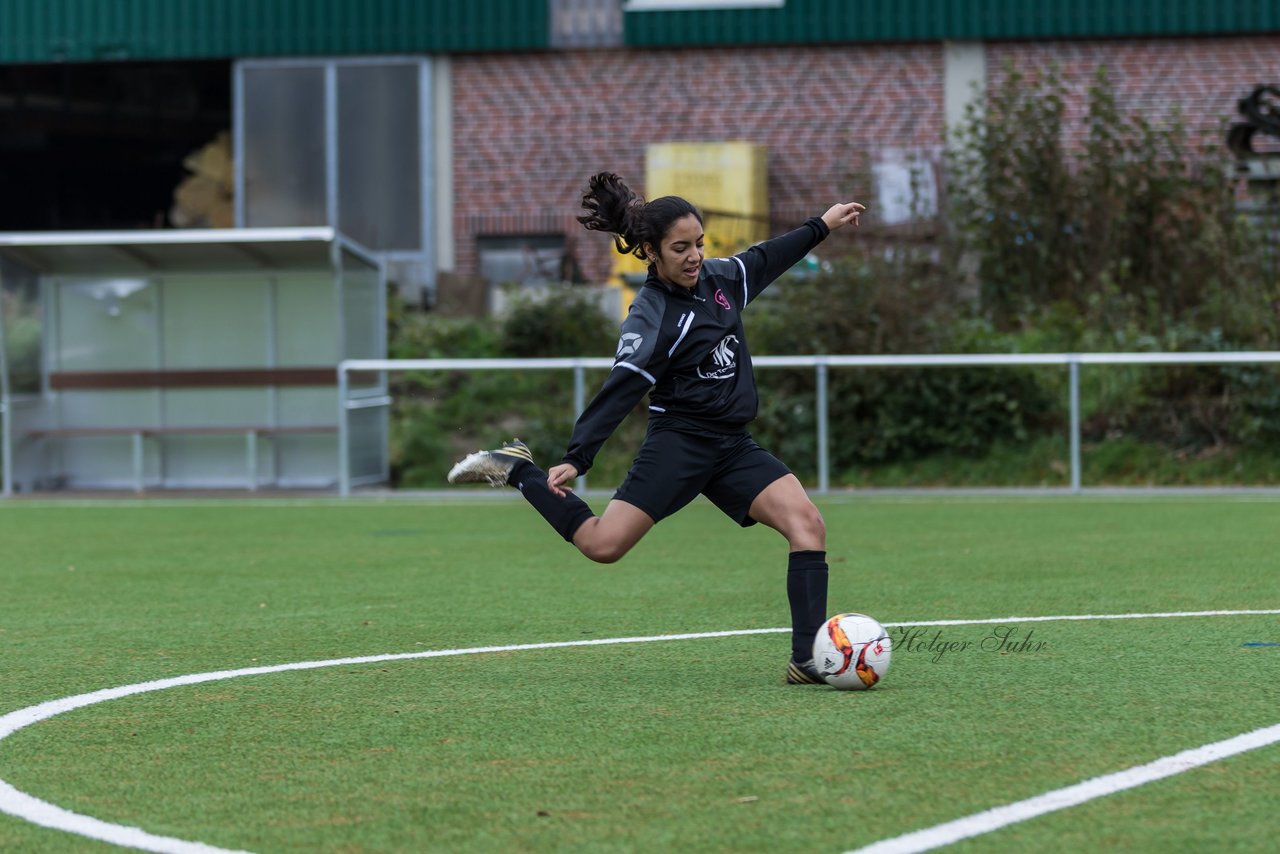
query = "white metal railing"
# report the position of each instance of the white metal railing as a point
(6, 448)
(820, 364)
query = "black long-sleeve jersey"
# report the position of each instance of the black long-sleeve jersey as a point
(688, 346)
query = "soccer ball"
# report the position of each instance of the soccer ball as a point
(851, 652)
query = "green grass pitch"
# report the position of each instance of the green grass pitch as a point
(688, 745)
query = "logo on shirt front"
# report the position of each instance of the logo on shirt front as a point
(722, 300)
(723, 360)
(628, 344)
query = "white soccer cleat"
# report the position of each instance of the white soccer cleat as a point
(491, 467)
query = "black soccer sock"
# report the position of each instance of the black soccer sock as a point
(807, 593)
(566, 514)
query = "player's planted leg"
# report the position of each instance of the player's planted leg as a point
(807, 594)
(785, 507)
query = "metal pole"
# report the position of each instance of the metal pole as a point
(344, 462)
(6, 453)
(139, 481)
(331, 202)
(6, 429)
(824, 479)
(237, 143)
(579, 404)
(1074, 373)
(251, 458)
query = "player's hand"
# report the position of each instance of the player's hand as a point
(560, 475)
(842, 213)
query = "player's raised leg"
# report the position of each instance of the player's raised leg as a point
(609, 536)
(491, 467)
(512, 465)
(604, 538)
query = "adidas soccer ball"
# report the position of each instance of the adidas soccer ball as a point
(851, 652)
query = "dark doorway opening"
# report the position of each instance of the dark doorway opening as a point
(101, 145)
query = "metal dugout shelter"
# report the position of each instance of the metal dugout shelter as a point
(201, 359)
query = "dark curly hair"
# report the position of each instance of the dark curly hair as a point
(615, 208)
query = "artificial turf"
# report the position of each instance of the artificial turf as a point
(688, 745)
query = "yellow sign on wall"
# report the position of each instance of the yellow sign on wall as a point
(727, 181)
(724, 179)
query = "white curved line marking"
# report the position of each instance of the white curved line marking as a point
(1060, 799)
(23, 806)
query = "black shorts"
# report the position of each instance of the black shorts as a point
(677, 462)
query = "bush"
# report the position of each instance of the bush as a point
(1129, 241)
(427, 336)
(1130, 228)
(1188, 408)
(566, 322)
(897, 304)
(436, 417)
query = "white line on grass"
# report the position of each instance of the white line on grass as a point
(31, 809)
(1060, 799)
(1063, 618)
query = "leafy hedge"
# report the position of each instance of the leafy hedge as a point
(888, 305)
(438, 417)
(1131, 240)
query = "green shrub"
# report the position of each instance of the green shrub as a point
(1129, 229)
(566, 322)
(899, 304)
(439, 416)
(428, 336)
(1188, 408)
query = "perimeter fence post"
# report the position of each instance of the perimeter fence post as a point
(1073, 365)
(579, 404)
(6, 426)
(344, 451)
(6, 452)
(824, 474)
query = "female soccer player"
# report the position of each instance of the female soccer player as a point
(683, 343)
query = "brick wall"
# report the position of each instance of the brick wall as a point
(530, 129)
(1199, 78)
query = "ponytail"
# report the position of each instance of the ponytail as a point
(616, 209)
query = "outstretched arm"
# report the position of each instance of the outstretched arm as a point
(842, 213)
(768, 260)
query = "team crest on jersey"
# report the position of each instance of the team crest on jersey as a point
(722, 300)
(722, 363)
(628, 344)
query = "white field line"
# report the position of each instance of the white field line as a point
(1060, 799)
(23, 806)
(1069, 617)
